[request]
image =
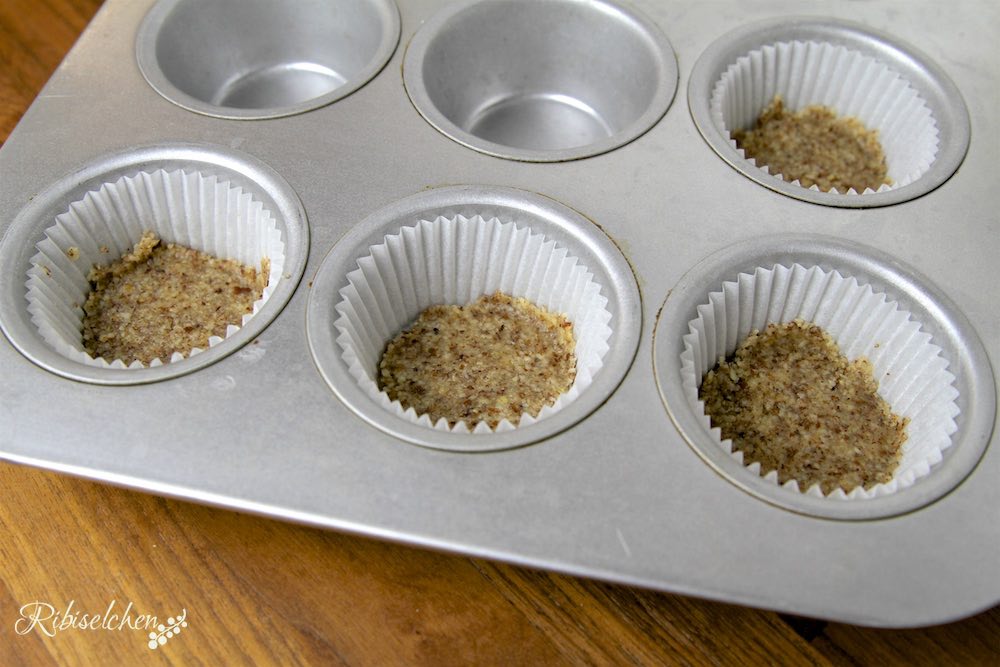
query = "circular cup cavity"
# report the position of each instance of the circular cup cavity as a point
(928, 360)
(921, 118)
(540, 80)
(255, 59)
(452, 245)
(215, 200)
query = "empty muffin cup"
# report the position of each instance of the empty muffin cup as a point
(254, 59)
(921, 358)
(451, 246)
(921, 121)
(540, 81)
(221, 204)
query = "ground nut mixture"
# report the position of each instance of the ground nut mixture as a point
(164, 298)
(816, 147)
(791, 401)
(493, 359)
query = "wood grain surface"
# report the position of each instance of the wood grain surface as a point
(258, 591)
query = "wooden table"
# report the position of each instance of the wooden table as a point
(260, 591)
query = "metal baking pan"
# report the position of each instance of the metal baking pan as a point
(616, 492)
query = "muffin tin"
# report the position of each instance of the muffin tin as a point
(623, 484)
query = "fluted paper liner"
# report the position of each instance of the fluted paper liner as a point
(456, 260)
(850, 83)
(185, 207)
(912, 375)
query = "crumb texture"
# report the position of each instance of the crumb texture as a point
(789, 400)
(816, 147)
(162, 298)
(492, 359)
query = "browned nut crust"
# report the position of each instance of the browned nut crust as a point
(163, 298)
(789, 400)
(493, 359)
(816, 147)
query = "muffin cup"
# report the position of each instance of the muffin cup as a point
(215, 200)
(540, 81)
(454, 261)
(928, 361)
(912, 376)
(921, 119)
(188, 208)
(253, 59)
(450, 246)
(848, 82)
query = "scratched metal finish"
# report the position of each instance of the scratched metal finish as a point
(620, 495)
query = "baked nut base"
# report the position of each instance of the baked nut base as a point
(163, 298)
(815, 147)
(494, 359)
(789, 400)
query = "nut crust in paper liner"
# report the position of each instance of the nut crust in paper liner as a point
(455, 260)
(185, 207)
(833, 76)
(912, 376)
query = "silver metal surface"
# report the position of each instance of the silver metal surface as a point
(28, 228)
(927, 78)
(567, 228)
(540, 81)
(618, 496)
(255, 59)
(937, 315)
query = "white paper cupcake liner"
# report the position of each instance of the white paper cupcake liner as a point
(912, 375)
(188, 208)
(850, 83)
(454, 261)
